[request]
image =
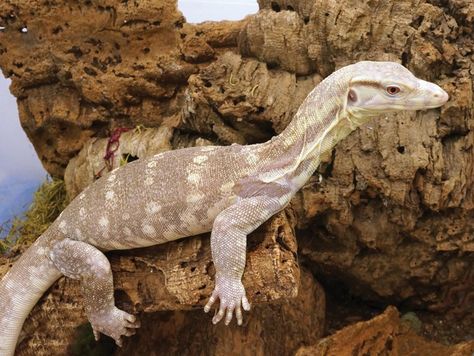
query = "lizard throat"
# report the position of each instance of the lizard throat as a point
(300, 147)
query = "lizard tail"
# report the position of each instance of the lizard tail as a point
(21, 288)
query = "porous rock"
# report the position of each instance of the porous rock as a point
(277, 328)
(390, 215)
(386, 334)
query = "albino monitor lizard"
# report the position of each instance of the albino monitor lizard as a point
(229, 190)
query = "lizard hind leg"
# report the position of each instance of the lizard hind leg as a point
(79, 260)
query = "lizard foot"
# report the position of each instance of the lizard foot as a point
(114, 323)
(231, 293)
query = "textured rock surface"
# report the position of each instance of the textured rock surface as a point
(90, 164)
(393, 216)
(390, 216)
(269, 329)
(82, 68)
(385, 334)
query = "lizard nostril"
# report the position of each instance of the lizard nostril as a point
(442, 96)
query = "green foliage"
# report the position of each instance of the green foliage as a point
(49, 200)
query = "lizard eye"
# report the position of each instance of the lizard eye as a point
(392, 90)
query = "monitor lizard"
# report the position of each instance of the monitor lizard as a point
(229, 190)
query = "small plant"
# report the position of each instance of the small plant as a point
(48, 202)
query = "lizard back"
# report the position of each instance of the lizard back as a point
(158, 199)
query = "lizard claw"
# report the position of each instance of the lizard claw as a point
(96, 334)
(231, 294)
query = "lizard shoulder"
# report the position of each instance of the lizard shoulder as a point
(252, 186)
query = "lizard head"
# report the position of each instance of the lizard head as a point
(380, 87)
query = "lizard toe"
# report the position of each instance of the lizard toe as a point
(245, 303)
(96, 334)
(211, 301)
(238, 314)
(220, 314)
(229, 314)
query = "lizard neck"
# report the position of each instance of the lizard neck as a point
(320, 123)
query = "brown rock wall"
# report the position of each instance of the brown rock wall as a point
(386, 334)
(278, 328)
(390, 215)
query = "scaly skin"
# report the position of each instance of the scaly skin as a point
(230, 190)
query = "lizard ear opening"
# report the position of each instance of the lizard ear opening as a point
(352, 96)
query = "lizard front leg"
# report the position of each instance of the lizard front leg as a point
(79, 260)
(228, 246)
